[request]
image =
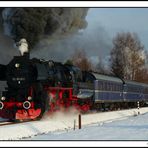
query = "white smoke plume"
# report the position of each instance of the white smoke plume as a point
(22, 46)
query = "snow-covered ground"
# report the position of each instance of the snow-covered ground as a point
(132, 128)
(116, 125)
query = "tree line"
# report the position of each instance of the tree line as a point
(127, 59)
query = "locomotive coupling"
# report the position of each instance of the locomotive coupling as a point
(26, 105)
(1, 105)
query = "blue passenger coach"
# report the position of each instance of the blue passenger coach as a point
(113, 89)
(108, 89)
(135, 91)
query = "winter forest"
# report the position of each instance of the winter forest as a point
(128, 59)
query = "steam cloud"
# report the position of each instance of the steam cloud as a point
(41, 26)
(36, 23)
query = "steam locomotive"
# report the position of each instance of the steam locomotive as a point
(36, 86)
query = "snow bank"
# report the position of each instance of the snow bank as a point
(61, 121)
(112, 115)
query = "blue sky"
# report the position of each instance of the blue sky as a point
(114, 20)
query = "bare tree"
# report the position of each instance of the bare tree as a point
(142, 75)
(127, 56)
(79, 58)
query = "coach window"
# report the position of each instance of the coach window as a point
(116, 87)
(100, 86)
(107, 86)
(110, 86)
(135, 89)
(120, 87)
(131, 89)
(103, 85)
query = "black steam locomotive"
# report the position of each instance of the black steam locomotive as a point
(36, 86)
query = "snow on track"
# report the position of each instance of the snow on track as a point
(61, 121)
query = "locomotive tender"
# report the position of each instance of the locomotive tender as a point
(36, 86)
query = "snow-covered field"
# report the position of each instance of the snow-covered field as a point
(132, 128)
(116, 125)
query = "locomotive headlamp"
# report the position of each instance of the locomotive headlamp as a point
(17, 65)
(29, 98)
(1, 105)
(26, 104)
(3, 98)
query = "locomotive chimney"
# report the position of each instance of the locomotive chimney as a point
(22, 46)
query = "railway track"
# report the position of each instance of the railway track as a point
(7, 122)
(3, 123)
